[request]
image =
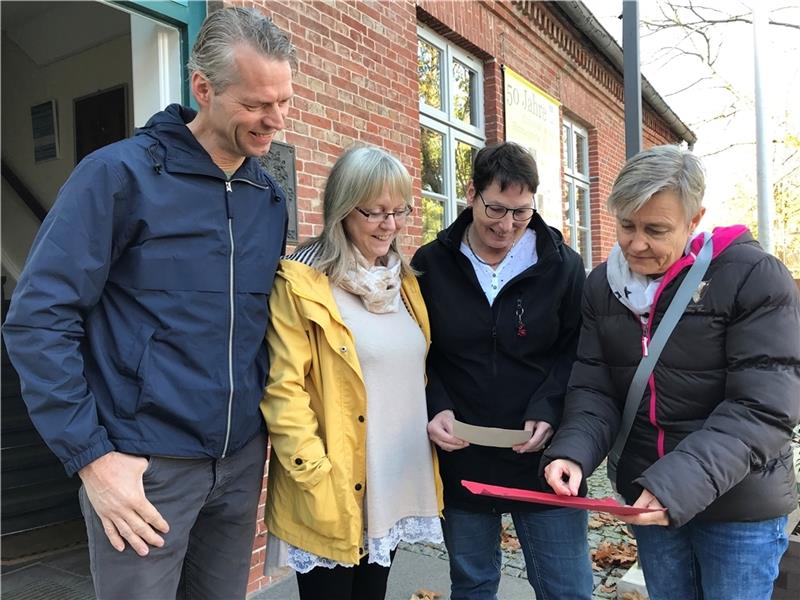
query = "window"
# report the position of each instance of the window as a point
(577, 218)
(451, 128)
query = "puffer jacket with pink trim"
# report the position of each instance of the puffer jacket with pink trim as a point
(712, 435)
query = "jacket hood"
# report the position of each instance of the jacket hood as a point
(549, 240)
(175, 148)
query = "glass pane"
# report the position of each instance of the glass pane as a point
(429, 70)
(580, 154)
(432, 146)
(582, 207)
(568, 187)
(465, 155)
(464, 95)
(582, 245)
(432, 218)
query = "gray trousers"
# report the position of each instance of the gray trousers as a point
(210, 506)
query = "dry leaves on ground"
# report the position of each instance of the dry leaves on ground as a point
(622, 554)
(608, 589)
(599, 519)
(631, 596)
(508, 541)
(423, 594)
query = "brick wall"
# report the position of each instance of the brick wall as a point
(357, 81)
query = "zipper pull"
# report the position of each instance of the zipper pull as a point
(228, 187)
(522, 331)
(645, 342)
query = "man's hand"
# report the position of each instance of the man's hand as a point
(440, 431)
(542, 432)
(114, 486)
(564, 476)
(647, 500)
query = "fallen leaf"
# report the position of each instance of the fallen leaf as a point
(509, 542)
(608, 554)
(631, 596)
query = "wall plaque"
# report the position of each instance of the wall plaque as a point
(279, 162)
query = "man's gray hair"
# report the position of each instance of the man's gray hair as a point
(224, 30)
(658, 169)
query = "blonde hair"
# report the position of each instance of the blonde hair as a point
(359, 175)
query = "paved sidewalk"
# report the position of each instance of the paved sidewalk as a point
(410, 572)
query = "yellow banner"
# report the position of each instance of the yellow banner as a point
(533, 120)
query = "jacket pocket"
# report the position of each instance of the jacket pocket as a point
(131, 364)
(318, 509)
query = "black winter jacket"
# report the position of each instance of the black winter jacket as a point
(711, 437)
(480, 367)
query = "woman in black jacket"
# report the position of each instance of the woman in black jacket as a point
(710, 442)
(503, 294)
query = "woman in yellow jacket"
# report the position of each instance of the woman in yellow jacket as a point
(352, 472)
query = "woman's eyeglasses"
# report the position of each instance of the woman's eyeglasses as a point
(495, 211)
(399, 216)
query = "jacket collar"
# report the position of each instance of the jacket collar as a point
(548, 239)
(178, 150)
(721, 239)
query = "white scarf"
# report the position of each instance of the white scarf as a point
(376, 285)
(635, 291)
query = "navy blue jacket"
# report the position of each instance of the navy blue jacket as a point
(138, 322)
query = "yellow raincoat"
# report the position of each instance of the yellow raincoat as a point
(315, 408)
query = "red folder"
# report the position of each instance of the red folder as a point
(608, 504)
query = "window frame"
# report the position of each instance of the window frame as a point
(445, 123)
(574, 180)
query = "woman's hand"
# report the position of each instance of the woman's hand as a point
(440, 431)
(542, 432)
(564, 476)
(647, 500)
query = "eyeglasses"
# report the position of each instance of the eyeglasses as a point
(495, 211)
(379, 217)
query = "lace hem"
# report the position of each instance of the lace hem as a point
(409, 529)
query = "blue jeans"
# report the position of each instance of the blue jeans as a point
(712, 561)
(553, 542)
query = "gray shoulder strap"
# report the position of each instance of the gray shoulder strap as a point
(648, 363)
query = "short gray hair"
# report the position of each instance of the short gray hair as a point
(224, 30)
(658, 169)
(359, 175)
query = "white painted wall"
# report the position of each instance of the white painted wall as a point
(24, 84)
(157, 71)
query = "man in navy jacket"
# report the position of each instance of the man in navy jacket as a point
(138, 324)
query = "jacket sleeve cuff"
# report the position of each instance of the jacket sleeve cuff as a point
(683, 503)
(92, 453)
(546, 409)
(309, 465)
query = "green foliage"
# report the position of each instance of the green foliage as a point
(432, 219)
(786, 221)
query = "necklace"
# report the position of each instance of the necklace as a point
(491, 265)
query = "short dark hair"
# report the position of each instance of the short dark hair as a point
(506, 163)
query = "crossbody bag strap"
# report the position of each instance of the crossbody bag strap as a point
(659, 340)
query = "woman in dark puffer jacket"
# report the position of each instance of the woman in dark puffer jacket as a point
(710, 442)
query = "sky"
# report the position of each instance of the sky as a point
(727, 146)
